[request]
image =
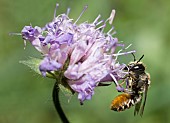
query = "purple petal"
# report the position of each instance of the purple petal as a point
(30, 33)
(49, 65)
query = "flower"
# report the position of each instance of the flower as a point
(80, 54)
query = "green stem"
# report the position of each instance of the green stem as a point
(57, 105)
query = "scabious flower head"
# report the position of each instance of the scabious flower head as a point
(80, 55)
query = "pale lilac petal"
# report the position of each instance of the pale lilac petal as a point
(78, 52)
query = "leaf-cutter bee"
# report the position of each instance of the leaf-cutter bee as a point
(137, 83)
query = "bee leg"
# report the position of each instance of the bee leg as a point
(122, 83)
(125, 81)
(120, 88)
(104, 84)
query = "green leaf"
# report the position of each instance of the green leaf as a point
(66, 91)
(32, 63)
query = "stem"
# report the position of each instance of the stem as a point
(57, 105)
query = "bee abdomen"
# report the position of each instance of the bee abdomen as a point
(123, 101)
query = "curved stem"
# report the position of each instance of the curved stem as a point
(57, 105)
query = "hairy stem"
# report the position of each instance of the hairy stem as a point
(57, 105)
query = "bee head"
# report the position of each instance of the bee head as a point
(136, 66)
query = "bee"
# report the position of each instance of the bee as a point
(137, 84)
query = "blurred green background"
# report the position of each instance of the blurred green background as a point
(25, 97)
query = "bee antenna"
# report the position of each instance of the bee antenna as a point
(140, 58)
(134, 57)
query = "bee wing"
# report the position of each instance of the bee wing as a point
(137, 107)
(145, 96)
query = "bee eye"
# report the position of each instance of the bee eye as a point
(136, 67)
(139, 67)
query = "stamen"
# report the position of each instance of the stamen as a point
(96, 20)
(110, 31)
(115, 81)
(25, 42)
(81, 14)
(57, 5)
(118, 53)
(128, 46)
(110, 19)
(99, 22)
(13, 33)
(113, 33)
(122, 50)
(101, 27)
(68, 11)
(112, 15)
(119, 88)
(125, 53)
